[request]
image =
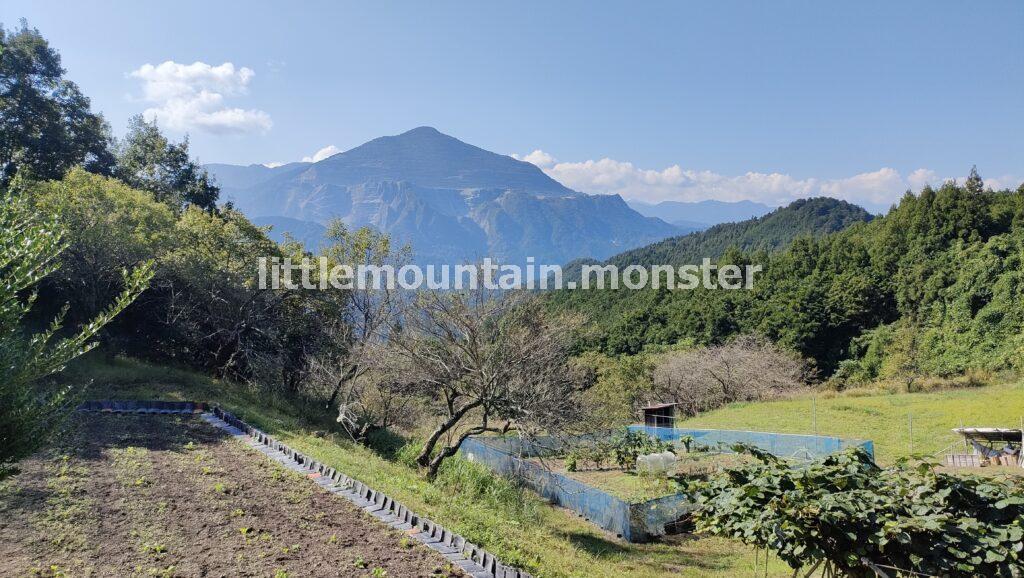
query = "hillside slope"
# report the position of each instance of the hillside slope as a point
(515, 524)
(817, 216)
(935, 287)
(883, 418)
(805, 217)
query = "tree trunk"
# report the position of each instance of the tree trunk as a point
(423, 459)
(337, 386)
(449, 451)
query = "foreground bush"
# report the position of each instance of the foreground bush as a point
(29, 248)
(849, 517)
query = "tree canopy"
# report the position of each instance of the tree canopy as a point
(937, 280)
(46, 125)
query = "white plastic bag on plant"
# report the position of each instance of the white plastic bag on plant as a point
(656, 464)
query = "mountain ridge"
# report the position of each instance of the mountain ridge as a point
(452, 201)
(815, 217)
(701, 214)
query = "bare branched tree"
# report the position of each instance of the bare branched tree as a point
(745, 369)
(488, 362)
(376, 396)
(352, 374)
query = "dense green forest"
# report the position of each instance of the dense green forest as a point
(815, 217)
(932, 288)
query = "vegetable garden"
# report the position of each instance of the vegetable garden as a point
(845, 516)
(635, 466)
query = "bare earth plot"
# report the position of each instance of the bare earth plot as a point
(124, 495)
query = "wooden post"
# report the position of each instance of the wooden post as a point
(910, 421)
(814, 414)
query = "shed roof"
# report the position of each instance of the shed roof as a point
(660, 406)
(990, 433)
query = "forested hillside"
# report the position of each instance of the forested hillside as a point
(804, 217)
(932, 288)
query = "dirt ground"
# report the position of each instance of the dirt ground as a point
(122, 495)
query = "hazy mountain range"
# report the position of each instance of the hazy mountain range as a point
(454, 202)
(702, 214)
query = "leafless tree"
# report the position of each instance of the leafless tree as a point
(365, 315)
(744, 369)
(376, 395)
(488, 362)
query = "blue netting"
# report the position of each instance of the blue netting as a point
(601, 508)
(783, 445)
(639, 521)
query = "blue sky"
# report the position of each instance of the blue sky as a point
(761, 100)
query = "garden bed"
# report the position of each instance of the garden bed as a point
(633, 487)
(172, 496)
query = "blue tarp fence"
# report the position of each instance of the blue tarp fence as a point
(635, 522)
(601, 508)
(794, 446)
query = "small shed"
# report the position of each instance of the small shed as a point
(989, 446)
(660, 415)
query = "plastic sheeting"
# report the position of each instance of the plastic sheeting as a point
(795, 446)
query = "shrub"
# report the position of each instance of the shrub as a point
(849, 517)
(29, 249)
(628, 445)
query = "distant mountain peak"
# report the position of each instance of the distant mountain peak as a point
(424, 130)
(427, 157)
(452, 201)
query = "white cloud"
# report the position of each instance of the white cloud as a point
(1002, 182)
(537, 157)
(876, 189)
(921, 177)
(191, 97)
(881, 187)
(273, 165)
(327, 151)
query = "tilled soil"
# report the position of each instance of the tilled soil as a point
(147, 495)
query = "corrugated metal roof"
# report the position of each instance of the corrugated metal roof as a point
(990, 433)
(660, 406)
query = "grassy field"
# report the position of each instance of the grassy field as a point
(883, 418)
(516, 525)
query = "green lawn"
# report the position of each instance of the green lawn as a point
(881, 417)
(513, 524)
